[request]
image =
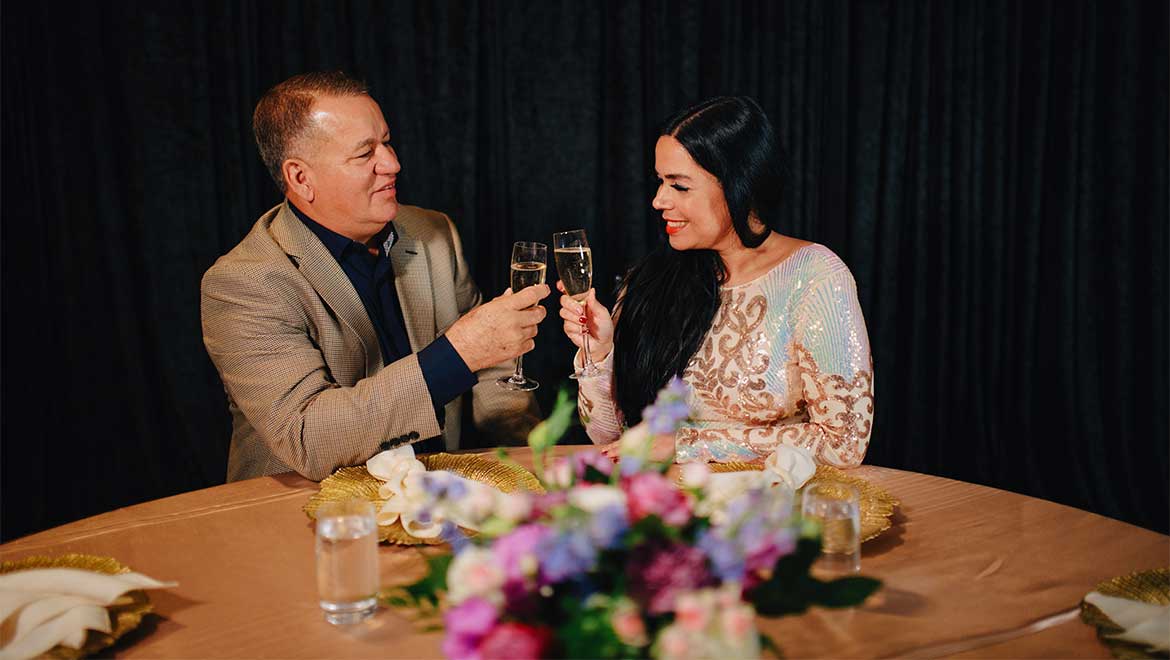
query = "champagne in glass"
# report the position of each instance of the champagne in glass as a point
(529, 262)
(575, 267)
(526, 274)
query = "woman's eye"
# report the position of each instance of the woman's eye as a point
(679, 188)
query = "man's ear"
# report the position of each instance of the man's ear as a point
(298, 176)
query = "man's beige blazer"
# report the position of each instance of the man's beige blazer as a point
(300, 359)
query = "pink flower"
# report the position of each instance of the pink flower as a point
(650, 493)
(673, 642)
(467, 624)
(516, 552)
(590, 458)
(515, 641)
(692, 611)
(656, 577)
(628, 625)
(737, 623)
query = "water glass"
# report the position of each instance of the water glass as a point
(836, 507)
(347, 560)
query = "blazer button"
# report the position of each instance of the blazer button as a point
(414, 435)
(385, 445)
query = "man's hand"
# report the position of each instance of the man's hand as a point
(500, 329)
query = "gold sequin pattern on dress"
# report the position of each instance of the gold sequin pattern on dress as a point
(786, 360)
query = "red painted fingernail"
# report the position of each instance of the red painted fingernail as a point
(581, 320)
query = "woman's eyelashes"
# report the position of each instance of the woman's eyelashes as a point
(677, 186)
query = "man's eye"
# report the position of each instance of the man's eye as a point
(365, 154)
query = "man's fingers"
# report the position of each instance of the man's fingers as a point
(530, 296)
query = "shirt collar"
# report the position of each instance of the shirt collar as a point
(338, 244)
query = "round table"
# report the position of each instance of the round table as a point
(969, 571)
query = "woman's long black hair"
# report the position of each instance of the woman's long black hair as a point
(670, 297)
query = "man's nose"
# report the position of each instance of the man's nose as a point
(387, 161)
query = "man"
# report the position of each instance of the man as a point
(344, 323)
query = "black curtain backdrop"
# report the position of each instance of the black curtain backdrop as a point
(994, 173)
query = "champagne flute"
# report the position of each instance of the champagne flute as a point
(575, 268)
(529, 262)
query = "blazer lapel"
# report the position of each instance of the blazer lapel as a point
(412, 279)
(326, 277)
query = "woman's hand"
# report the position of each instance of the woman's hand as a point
(594, 315)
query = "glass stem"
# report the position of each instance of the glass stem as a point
(588, 363)
(518, 377)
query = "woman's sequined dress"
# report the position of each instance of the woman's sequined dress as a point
(786, 361)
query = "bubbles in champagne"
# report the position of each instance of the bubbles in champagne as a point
(575, 268)
(526, 274)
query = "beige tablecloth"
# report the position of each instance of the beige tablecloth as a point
(968, 570)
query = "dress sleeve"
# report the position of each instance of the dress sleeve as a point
(596, 406)
(831, 365)
(835, 371)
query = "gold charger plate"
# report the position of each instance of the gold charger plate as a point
(350, 482)
(125, 614)
(1151, 587)
(877, 506)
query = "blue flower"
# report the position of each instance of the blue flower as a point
(669, 409)
(630, 466)
(607, 525)
(451, 533)
(566, 554)
(726, 556)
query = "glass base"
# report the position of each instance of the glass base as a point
(588, 371)
(344, 614)
(515, 384)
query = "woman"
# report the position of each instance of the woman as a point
(764, 328)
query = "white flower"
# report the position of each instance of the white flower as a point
(636, 441)
(475, 573)
(596, 498)
(695, 474)
(513, 507)
(559, 474)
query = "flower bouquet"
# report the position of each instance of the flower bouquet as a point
(620, 561)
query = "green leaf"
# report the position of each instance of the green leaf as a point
(549, 432)
(426, 591)
(846, 591)
(791, 590)
(768, 645)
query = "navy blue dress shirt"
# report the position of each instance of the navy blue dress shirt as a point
(372, 276)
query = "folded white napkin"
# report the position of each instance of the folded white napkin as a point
(406, 494)
(41, 608)
(787, 467)
(1143, 623)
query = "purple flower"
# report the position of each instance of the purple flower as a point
(669, 409)
(630, 466)
(656, 577)
(726, 557)
(607, 525)
(517, 552)
(651, 494)
(451, 533)
(566, 554)
(591, 458)
(467, 624)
